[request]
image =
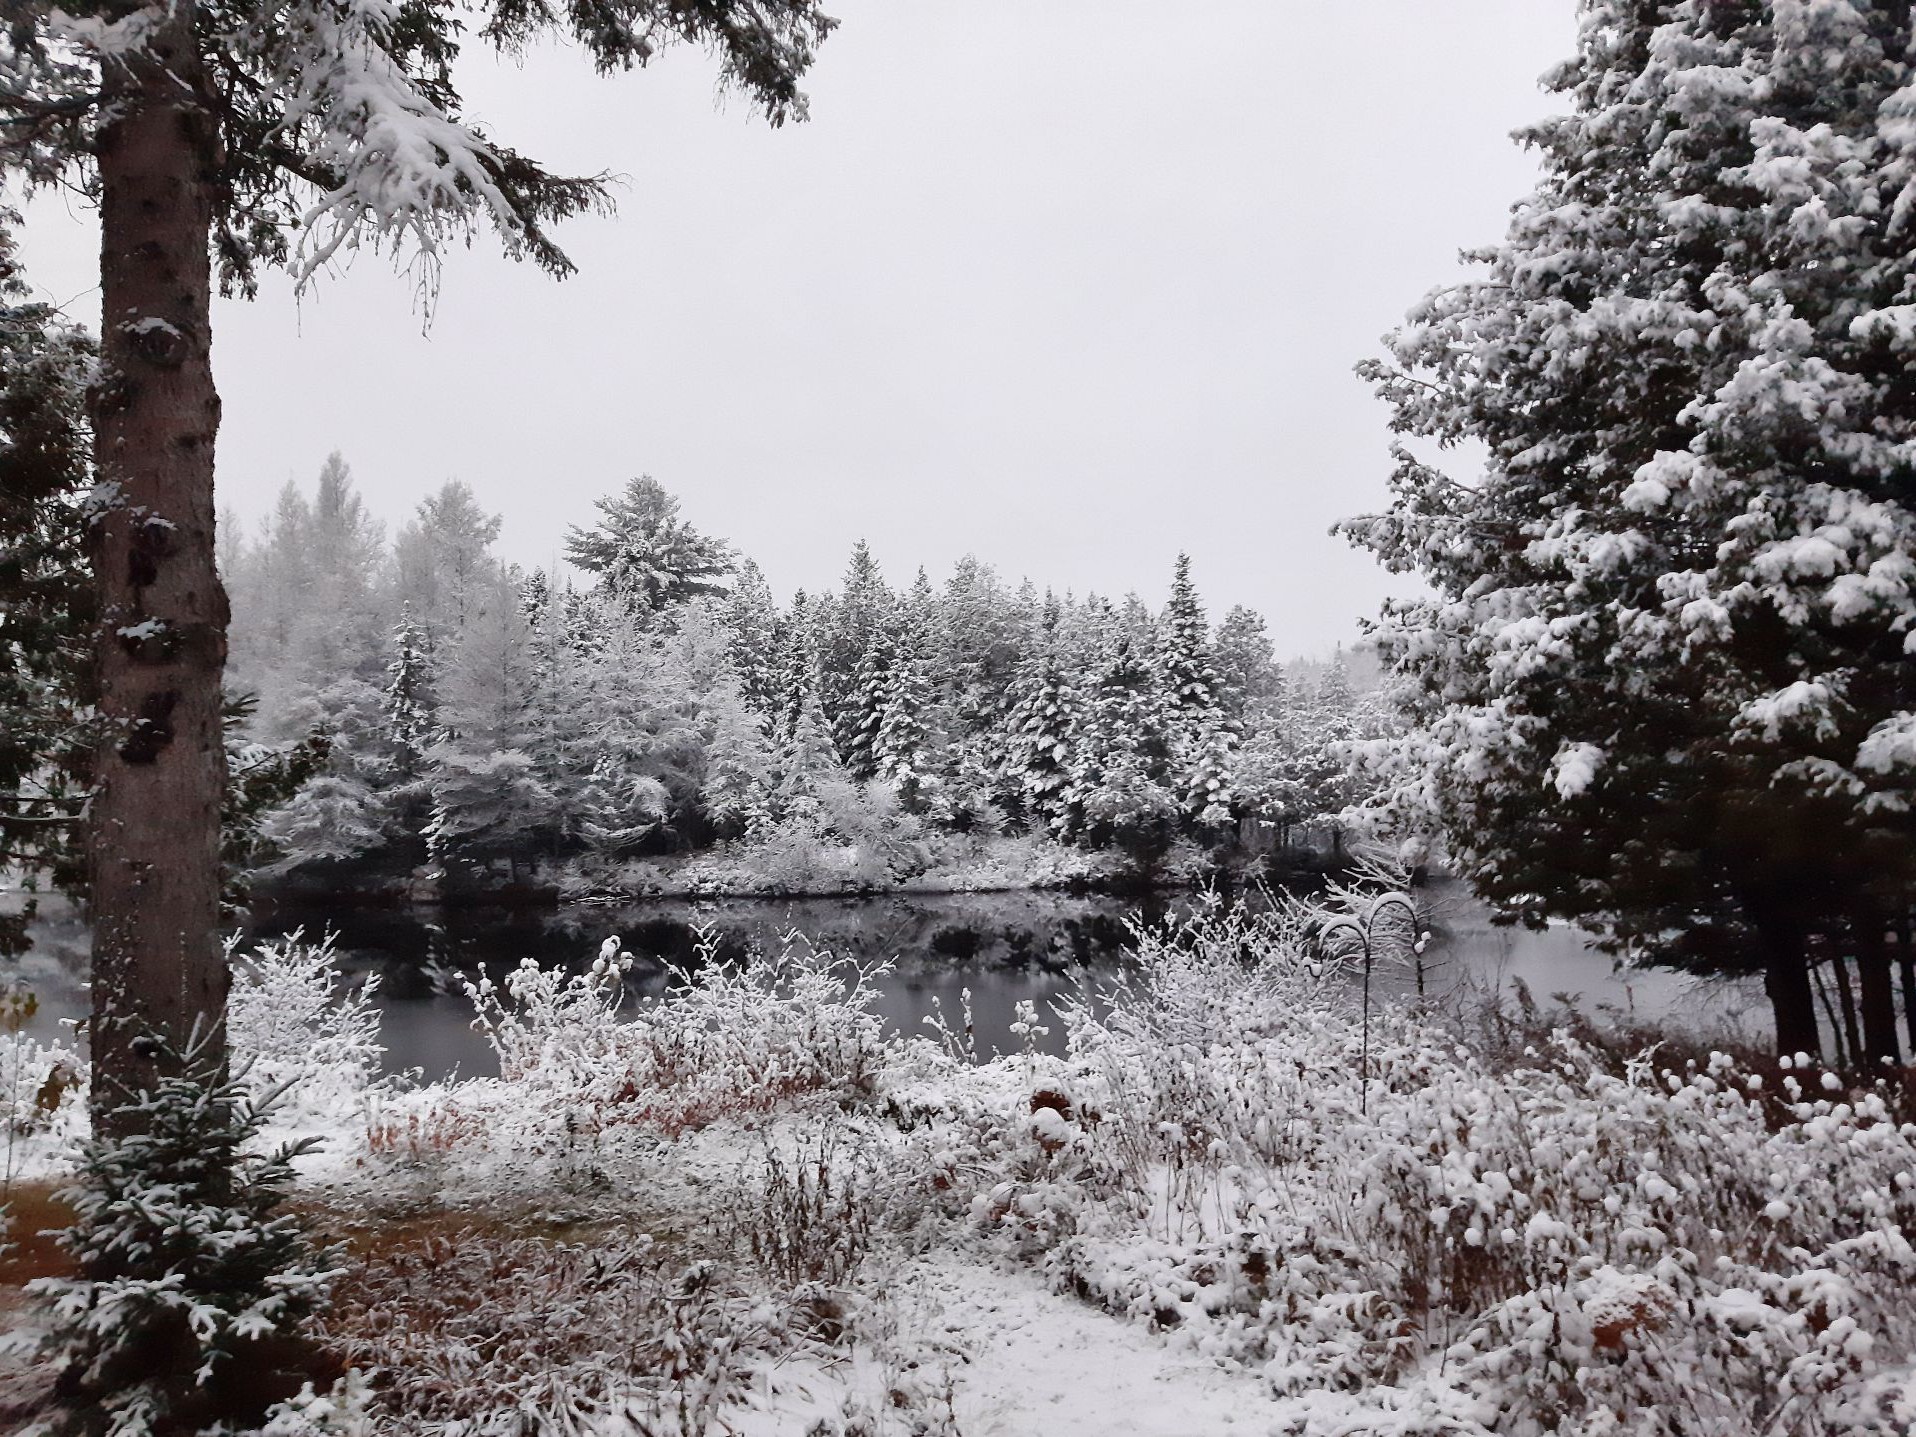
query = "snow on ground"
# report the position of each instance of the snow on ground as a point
(993, 1353)
(1039, 1362)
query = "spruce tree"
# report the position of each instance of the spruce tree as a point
(862, 714)
(751, 615)
(45, 599)
(851, 626)
(1203, 735)
(1038, 762)
(1184, 651)
(1664, 680)
(1249, 675)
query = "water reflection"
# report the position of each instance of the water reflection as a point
(1006, 949)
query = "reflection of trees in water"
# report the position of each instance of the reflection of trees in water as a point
(423, 952)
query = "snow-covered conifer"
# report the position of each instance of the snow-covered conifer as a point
(646, 554)
(1664, 676)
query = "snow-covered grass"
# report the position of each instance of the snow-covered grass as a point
(709, 1211)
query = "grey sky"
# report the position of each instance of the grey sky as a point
(1070, 284)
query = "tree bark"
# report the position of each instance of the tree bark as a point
(1845, 995)
(1906, 959)
(1822, 991)
(154, 831)
(1877, 992)
(1786, 978)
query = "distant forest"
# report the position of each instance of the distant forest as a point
(463, 719)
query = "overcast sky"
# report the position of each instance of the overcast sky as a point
(1068, 284)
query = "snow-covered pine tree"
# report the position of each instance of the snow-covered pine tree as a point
(535, 596)
(445, 560)
(646, 554)
(1249, 675)
(982, 639)
(1184, 653)
(862, 715)
(804, 758)
(795, 675)
(901, 748)
(735, 772)
(1044, 725)
(1665, 679)
(410, 702)
(1203, 734)
(488, 797)
(914, 716)
(192, 1276)
(751, 615)
(848, 625)
(1120, 752)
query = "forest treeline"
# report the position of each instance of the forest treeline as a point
(477, 719)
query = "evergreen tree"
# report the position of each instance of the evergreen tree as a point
(46, 605)
(1044, 725)
(411, 723)
(1203, 735)
(1248, 673)
(1190, 677)
(862, 716)
(795, 679)
(646, 554)
(1117, 795)
(488, 797)
(1664, 677)
(901, 747)
(445, 560)
(751, 614)
(849, 628)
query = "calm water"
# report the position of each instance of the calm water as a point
(1005, 948)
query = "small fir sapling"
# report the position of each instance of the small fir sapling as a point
(193, 1282)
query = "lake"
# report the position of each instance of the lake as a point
(1006, 949)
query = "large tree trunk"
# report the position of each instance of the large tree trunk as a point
(1786, 977)
(154, 831)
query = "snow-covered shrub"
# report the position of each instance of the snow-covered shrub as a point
(1459, 1245)
(190, 1274)
(296, 1023)
(806, 1214)
(724, 1040)
(42, 1096)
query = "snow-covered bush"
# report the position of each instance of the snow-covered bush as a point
(42, 1096)
(191, 1275)
(296, 1023)
(724, 1040)
(1457, 1245)
(806, 1213)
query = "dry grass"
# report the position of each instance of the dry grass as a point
(506, 1326)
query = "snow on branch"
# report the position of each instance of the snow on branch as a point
(395, 165)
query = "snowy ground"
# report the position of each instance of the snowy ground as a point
(998, 1355)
